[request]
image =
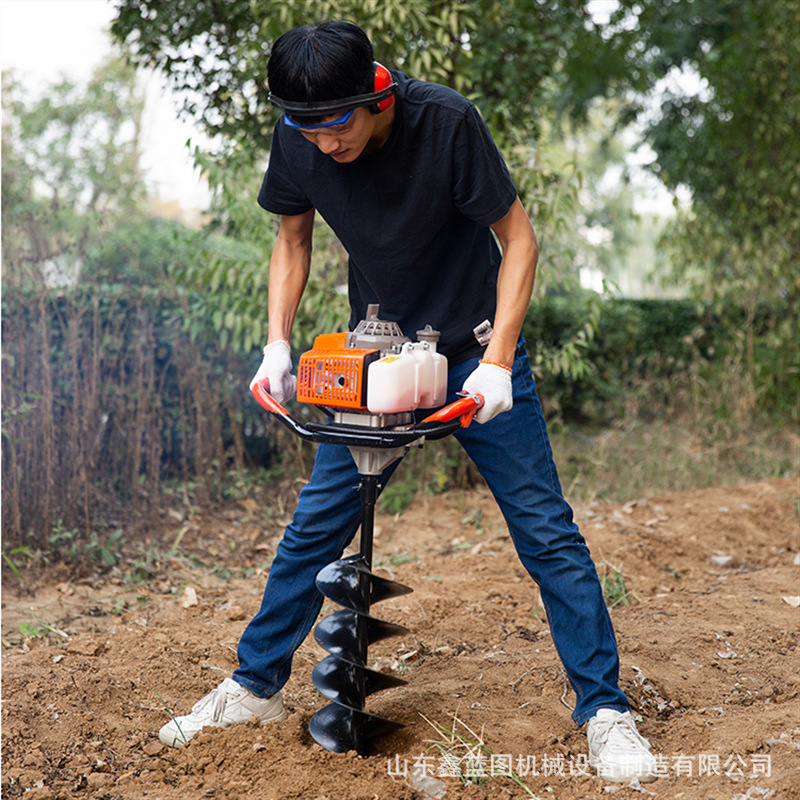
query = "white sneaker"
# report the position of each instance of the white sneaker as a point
(617, 750)
(229, 704)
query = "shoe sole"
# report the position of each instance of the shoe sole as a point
(177, 742)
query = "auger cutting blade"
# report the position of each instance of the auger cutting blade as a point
(347, 683)
(339, 729)
(338, 633)
(347, 582)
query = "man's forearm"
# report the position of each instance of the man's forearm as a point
(514, 286)
(288, 274)
(513, 297)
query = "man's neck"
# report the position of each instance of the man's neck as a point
(380, 135)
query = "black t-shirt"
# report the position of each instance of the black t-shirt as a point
(414, 216)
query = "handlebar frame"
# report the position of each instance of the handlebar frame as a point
(442, 423)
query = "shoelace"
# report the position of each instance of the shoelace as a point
(624, 728)
(218, 698)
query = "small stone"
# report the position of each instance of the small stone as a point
(153, 748)
(98, 779)
(189, 597)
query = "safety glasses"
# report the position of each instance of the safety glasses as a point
(335, 123)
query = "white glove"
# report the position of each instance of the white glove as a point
(493, 381)
(277, 366)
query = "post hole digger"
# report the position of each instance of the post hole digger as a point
(369, 383)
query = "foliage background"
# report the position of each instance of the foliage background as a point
(128, 340)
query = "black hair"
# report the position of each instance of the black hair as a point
(327, 61)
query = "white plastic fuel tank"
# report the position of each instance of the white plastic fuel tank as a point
(392, 384)
(414, 378)
(432, 374)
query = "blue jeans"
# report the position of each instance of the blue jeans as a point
(513, 454)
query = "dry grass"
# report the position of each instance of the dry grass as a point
(640, 459)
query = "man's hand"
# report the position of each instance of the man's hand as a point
(493, 381)
(277, 366)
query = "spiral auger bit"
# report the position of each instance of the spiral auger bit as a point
(362, 381)
(343, 677)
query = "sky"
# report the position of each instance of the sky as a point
(46, 40)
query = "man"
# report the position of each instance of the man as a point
(408, 177)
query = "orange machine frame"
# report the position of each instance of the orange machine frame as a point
(332, 374)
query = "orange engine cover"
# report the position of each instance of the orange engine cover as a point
(334, 375)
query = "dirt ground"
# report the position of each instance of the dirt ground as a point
(707, 584)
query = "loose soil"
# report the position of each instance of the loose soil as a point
(705, 587)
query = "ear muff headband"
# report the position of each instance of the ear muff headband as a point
(382, 98)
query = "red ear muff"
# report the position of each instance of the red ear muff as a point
(383, 80)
